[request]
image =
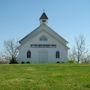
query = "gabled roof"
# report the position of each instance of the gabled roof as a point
(29, 35)
(48, 30)
(44, 16)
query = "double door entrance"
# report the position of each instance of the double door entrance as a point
(43, 56)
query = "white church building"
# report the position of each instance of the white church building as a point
(43, 45)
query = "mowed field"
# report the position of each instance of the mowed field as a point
(45, 77)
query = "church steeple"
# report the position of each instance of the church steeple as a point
(43, 19)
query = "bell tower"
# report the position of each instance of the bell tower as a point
(43, 19)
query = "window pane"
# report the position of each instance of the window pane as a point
(57, 54)
(43, 38)
(28, 54)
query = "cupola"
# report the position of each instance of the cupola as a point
(43, 19)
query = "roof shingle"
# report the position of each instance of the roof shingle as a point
(44, 16)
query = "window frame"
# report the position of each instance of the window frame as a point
(43, 38)
(28, 54)
(57, 54)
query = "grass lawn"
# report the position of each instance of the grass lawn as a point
(45, 77)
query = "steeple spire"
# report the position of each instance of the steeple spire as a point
(43, 18)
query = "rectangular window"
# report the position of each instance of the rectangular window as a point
(57, 54)
(43, 45)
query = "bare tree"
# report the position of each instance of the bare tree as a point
(72, 54)
(80, 52)
(11, 50)
(80, 48)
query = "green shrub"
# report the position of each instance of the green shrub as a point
(23, 62)
(28, 62)
(71, 61)
(58, 62)
(13, 61)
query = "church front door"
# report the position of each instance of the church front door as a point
(43, 56)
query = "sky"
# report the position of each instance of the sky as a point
(69, 18)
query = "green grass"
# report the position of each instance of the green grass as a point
(45, 77)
